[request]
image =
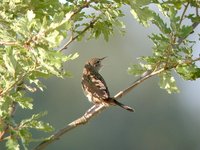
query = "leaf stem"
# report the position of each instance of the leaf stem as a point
(183, 14)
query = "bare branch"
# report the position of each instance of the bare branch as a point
(80, 121)
(137, 82)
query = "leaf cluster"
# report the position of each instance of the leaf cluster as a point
(30, 31)
(172, 50)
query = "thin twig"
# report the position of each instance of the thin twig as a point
(2, 133)
(183, 14)
(137, 82)
(75, 37)
(10, 43)
(197, 12)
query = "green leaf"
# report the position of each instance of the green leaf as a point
(142, 15)
(174, 19)
(44, 24)
(137, 69)
(24, 102)
(159, 22)
(52, 69)
(168, 82)
(5, 103)
(37, 83)
(193, 18)
(35, 124)
(30, 15)
(9, 63)
(188, 72)
(25, 136)
(30, 88)
(72, 56)
(12, 144)
(102, 27)
(57, 19)
(53, 38)
(185, 31)
(67, 74)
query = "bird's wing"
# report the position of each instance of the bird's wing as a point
(95, 85)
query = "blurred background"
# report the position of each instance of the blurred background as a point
(161, 121)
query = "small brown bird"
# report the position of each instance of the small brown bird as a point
(94, 86)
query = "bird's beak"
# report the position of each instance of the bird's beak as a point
(103, 58)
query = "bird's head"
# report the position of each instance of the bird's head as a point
(96, 63)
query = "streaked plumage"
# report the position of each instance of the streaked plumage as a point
(94, 86)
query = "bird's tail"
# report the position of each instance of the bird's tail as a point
(115, 102)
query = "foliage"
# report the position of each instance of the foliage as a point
(30, 35)
(31, 32)
(176, 20)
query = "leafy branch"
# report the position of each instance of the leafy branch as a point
(30, 35)
(97, 21)
(96, 109)
(162, 68)
(68, 17)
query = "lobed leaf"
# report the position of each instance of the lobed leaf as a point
(188, 72)
(34, 123)
(168, 82)
(12, 144)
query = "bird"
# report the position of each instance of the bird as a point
(94, 85)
